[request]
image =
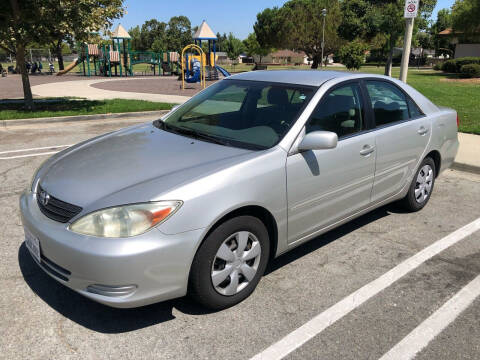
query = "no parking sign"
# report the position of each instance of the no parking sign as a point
(411, 8)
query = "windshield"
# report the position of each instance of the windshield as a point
(248, 114)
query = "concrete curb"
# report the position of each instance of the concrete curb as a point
(62, 119)
(466, 167)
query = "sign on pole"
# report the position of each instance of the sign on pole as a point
(411, 9)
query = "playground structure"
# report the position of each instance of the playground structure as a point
(198, 65)
(193, 66)
(117, 58)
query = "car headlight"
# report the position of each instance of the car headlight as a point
(125, 221)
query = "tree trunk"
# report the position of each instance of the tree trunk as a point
(27, 91)
(315, 61)
(59, 54)
(388, 64)
(20, 56)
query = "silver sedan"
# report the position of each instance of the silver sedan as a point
(198, 202)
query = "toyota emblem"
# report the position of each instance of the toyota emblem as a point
(44, 198)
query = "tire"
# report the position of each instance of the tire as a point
(419, 193)
(209, 263)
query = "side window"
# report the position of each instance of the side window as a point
(388, 102)
(340, 111)
(415, 112)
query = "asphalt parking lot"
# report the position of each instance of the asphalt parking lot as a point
(42, 319)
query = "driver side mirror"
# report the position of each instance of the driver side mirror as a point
(318, 140)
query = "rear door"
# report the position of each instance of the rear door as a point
(402, 134)
(324, 186)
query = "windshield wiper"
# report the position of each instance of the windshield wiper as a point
(195, 134)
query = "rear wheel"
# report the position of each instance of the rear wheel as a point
(229, 263)
(421, 187)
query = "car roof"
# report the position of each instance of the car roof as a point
(298, 77)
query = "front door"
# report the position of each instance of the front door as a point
(325, 186)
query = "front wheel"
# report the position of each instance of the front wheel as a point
(421, 187)
(229, 263)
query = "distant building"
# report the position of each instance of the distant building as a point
(288, 57)
(462, 47)
(222, 58)
(283, 57)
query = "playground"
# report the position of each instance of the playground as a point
(115, 58)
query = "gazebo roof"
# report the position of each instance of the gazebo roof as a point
(120, 33)
(204, 32)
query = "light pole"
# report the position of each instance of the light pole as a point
(324, 14)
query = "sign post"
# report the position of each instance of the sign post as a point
(411, 10)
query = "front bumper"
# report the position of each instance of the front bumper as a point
(138, 271)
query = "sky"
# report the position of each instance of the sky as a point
(223, 16)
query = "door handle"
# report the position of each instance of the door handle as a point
(422, 130)
(367, 150)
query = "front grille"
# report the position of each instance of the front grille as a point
(56, 209)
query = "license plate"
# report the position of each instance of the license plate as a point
(33, 245)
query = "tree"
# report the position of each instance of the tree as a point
(179, 33)
(442, 43)
(136, 38)
(221, 39)
(50, 22)
(153, 32)
(18, 27)
(466, 16)
(74, 21)
(233, 47)
(252, 47)
(365, 18)
(269, 28)
(357, 20)
(298, 25)
(352, 55)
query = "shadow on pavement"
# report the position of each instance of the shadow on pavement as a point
(104, 319)
(92, 315)
(332, 235)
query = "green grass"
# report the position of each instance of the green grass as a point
(70, 107)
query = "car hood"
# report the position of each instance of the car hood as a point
(120, 162)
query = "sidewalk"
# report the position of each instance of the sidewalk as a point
(468, 157)
(83, 89)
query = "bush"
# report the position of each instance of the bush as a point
(465, 61)
(449, 66)
(438, 66)
(470, 71)
(352, 55)
(455, 65)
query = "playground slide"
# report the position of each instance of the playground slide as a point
(223, 71)
(69, 67)
(194, 78)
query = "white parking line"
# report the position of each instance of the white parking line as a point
(419, 338)
(29, 155)
(34, 149)
(323, 320)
